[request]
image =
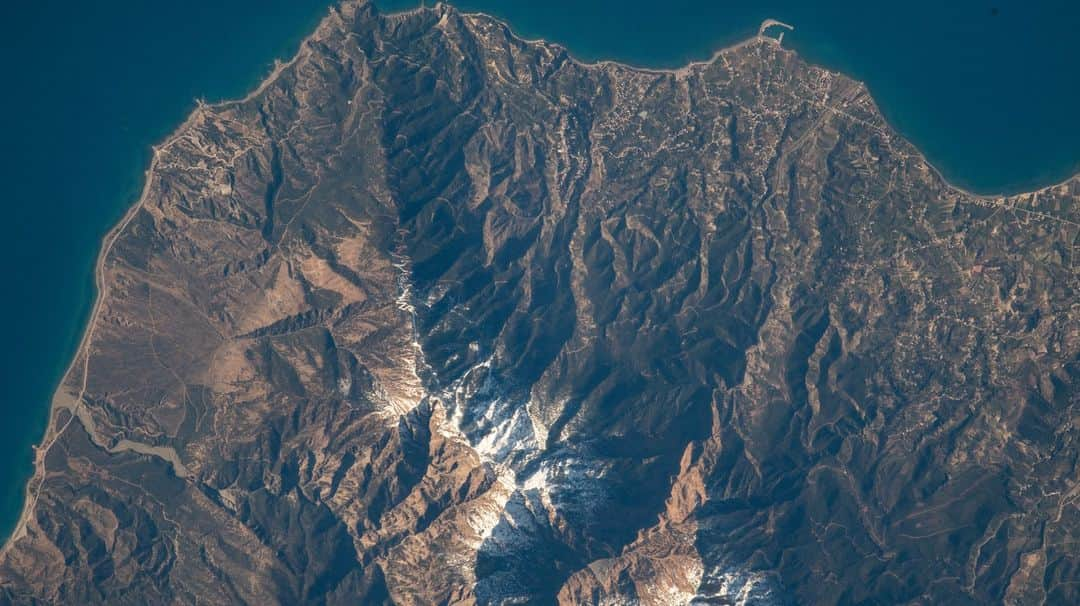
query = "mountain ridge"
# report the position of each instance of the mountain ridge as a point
(331, 285)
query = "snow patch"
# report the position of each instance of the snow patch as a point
(739, 587)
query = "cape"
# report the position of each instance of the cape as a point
(438, 315)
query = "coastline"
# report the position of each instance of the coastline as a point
(760, 37)
(53, 431)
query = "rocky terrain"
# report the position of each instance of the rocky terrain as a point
(441, 316)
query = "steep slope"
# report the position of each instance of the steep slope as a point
(438, 315)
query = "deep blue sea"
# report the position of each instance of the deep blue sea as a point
(989, 90)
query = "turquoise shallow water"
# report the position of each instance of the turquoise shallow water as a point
(987, 89)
